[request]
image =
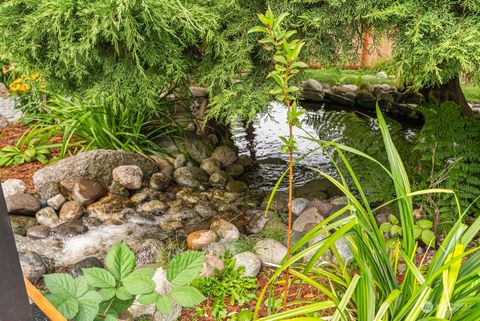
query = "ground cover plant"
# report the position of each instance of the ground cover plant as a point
(227, 285)
(103, 294)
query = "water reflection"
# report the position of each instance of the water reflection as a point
(261, 141)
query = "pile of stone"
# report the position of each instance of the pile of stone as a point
(222, 235)
(86, 203)
(105, 187)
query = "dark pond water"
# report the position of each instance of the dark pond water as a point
(262, 143)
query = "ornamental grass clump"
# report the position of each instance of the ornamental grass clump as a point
(447, 289)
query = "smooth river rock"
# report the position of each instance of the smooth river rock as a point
(71, 210)
(250, 261)
(193, 177)
(225, 155)
(47, 216)
(225, 230)
(128, 176)
(200, 239)
(270, 252)
(86, 191)
(22, 203)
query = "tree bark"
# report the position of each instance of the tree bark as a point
(449, 91)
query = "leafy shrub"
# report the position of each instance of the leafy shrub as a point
(131, 54)
(101, 294)
(229, 284)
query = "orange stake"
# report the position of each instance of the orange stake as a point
(43, 304)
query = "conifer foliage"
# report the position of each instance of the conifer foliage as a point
(128, 53)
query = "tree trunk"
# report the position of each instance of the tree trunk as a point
(449, 91)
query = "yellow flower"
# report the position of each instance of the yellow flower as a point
(35, 75)
(17, 81)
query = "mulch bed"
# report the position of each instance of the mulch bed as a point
(9, 137)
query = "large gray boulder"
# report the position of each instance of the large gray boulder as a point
(96, 165)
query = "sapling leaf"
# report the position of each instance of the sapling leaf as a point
(258, 29)
(280, 59)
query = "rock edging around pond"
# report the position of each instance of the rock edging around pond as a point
(364, 97)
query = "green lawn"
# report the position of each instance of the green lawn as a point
(340, 76)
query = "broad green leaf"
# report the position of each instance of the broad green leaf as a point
(120, 305)
(120, 260)
(122, 294)
(81, 286)
(386, 227)
(88, 306)
(417, 231)
(67, 306)
(164, 304)
(185, 267)
(424, 224)
(393, 219)
(396, 230)
(107, 293)
(428, 237)
(61, 283)
(99, 278)
(187, 296)
(139, 282)
(148, 298)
